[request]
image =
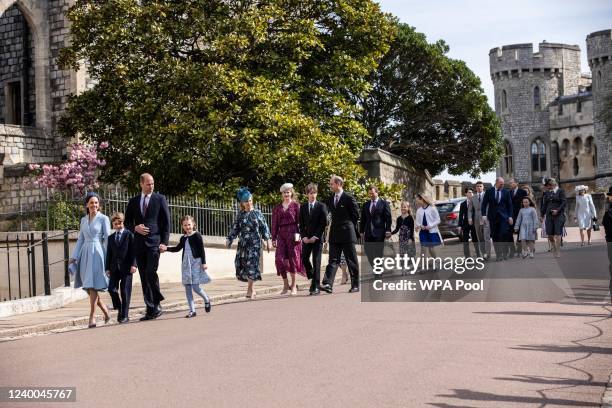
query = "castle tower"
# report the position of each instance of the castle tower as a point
(525, 84)
(599, 54)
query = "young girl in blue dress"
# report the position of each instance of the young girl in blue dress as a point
(194, 266)
(427, 221)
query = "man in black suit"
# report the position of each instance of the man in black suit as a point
(466, 213)
(120, 265)
(342, 235)
(516, 194)
(497, 209)
(374, 225)
(148, 217)
(313, 220)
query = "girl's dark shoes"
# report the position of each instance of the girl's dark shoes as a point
(207, 307)
(191, 314)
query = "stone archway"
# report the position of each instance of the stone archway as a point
(35, 12)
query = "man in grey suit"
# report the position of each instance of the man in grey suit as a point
(482, 226)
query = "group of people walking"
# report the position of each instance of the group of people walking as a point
(109, 252)
(501, 213)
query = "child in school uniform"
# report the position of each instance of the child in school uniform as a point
(194, 266)
(527, 224)
(120, 266)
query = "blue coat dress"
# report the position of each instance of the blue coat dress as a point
(90, 253)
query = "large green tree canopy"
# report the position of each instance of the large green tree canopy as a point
(210, 94)
(430, 109)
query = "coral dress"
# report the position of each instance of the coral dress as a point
(284, 227)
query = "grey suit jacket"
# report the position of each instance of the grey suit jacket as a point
(476, 215)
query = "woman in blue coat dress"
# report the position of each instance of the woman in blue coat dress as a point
(89, 256)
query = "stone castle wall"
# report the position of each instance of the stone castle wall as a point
(599, 54)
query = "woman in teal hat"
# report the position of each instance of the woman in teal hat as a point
(250, 225)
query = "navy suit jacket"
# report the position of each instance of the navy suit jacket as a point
(120, 257)
(497, 211)
(376, 223)
(157, 219)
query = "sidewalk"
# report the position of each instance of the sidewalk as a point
(75, 315)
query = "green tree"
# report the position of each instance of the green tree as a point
(208, 95)
(430, 109)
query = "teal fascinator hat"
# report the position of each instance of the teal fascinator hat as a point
(243, 194)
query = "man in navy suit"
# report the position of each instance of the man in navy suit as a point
(342, 235)
(148, 217)
(120, 265)
(313, 220)
(497, 209)
(375, 224)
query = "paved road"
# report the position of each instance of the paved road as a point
(331, 351)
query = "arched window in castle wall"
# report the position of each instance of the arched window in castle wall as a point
(538, 156)
(576, 168)
(566, 147)
(536, 98)
(554, 159)
(504, 100)
(577, 146)
(591, 149)
(508, 164)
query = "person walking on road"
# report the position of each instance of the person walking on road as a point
(286, 239)
(193, 265)
(251, 227)
(148, 217)
(405, 226)
(313, 220)
(585, 213)
(89, 255)
(342, 235)
(427, 221)
(526, 226)
(497, 210)
(553, 211)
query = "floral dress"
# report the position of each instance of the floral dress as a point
(288, 256)
(251, 228)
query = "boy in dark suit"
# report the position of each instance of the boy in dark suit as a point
(120, 265)
(313, 220)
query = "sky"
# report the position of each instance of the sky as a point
(472, 27)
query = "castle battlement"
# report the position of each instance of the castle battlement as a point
(599, 47)
(520, 58)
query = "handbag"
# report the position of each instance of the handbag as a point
(595, 225)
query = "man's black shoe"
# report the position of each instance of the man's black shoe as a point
(124, 320)
(314, 292)
(353, 290)
(326, 288)
(146, 317)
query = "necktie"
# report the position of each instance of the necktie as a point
(497, 195)
(372, 207)
(145, 204)
(336, 200)
(118, 237)
(310, 208)
(478, 197)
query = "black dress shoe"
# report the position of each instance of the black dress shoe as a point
(315, 292)
(207, 307)
(123, 320)
(146, 317)
(158, 312)
(353, 290)
(190, 314)
(327, 288)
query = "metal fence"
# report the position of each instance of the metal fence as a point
(57, 212)
(25, 267)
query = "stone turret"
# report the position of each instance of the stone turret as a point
(525, 83)
(599, 55)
